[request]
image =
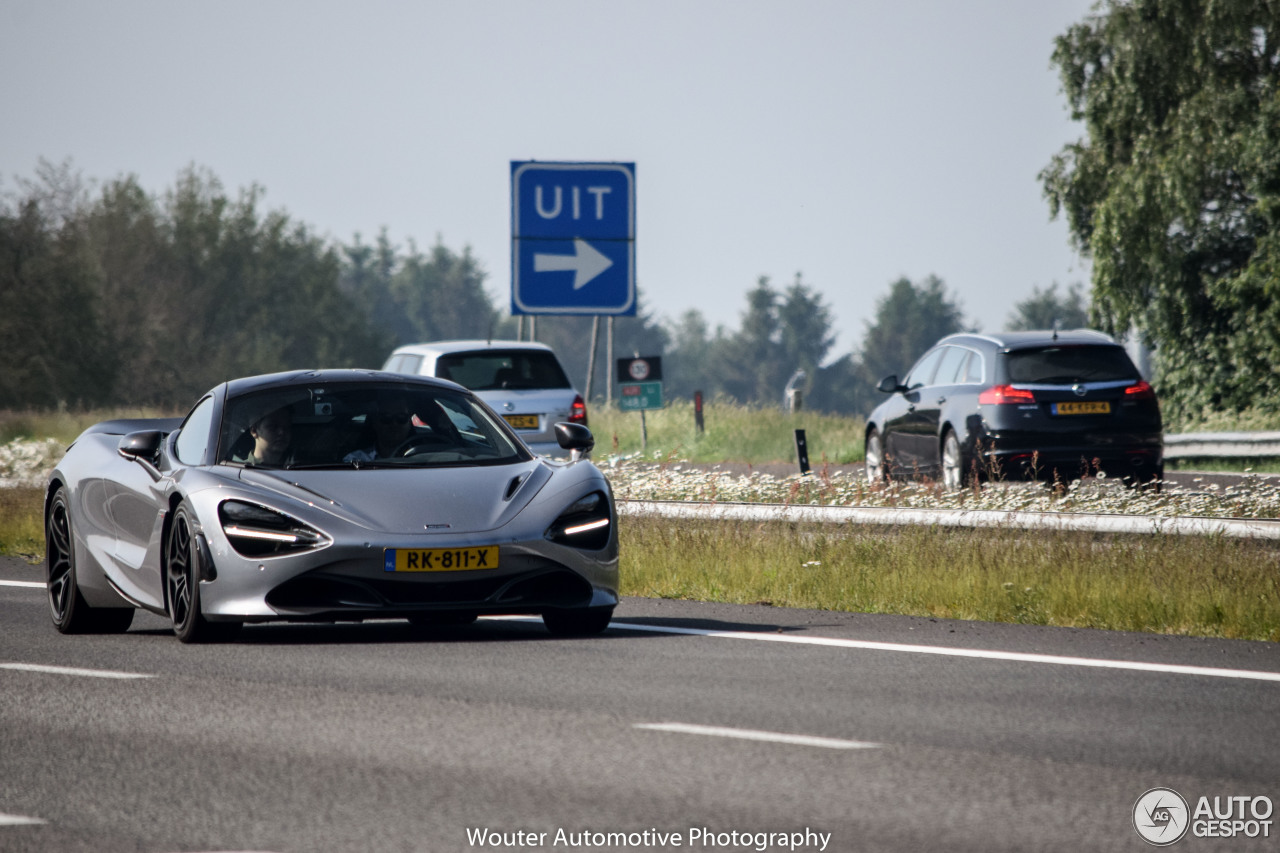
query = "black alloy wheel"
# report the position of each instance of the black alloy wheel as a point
(182, 586)
(71, 613)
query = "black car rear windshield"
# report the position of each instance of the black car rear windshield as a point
(490, 370)
(1067, 365)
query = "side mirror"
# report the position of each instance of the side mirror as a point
(144, 448)
(575, 438)
(890, 384)
(141, 445)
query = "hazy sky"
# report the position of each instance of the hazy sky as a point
(854, 141)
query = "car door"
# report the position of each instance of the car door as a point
(903, 443)
(932, 398)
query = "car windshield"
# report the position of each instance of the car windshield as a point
(1067, 365)
(356, 425)
(492, 370)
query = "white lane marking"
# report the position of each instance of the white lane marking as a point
(19, 820)
(1100, 663)
(1021, 657)
(71, 670)
(752, 734)
(25, 584)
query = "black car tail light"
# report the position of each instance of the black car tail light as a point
(584, 524)
(578, 411)
(1005, 395)
(1140, 391)
(256, 531)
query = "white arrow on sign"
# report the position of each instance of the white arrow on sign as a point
(586, 262)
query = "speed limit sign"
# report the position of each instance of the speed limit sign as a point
(646, 369)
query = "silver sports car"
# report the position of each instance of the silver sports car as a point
(327, 495)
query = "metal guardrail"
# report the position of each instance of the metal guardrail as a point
(1247, 528)
(1226, 445)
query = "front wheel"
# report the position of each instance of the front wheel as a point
(952, 462)
(182, 586)
(71, 613)
(577, 623)
(877, 471)
(1151, 479)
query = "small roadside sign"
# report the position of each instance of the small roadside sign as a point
(637, 396)
(640, 383)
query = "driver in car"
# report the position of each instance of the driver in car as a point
(392, 424)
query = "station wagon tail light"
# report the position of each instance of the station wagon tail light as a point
(256, 531)
(1005, 395)
(578, 411)
(1140, 391)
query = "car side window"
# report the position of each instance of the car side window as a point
(193, 435)
(922, 373)
(973, 370)
(951, 368)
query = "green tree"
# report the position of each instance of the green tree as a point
(1043, 308)
(51, 341)
(908, 320)
(1175, 190)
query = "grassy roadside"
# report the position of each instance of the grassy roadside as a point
(734, 433)
(1203, 586)
(21, 528)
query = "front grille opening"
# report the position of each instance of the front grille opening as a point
(537, 588)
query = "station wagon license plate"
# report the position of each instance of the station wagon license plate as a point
(522, 421)
(440, 559)
(1097, 407)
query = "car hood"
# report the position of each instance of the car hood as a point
(413, 500)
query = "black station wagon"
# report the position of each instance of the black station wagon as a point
(1018, 405)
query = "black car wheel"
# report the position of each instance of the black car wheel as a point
(577, 623)
(1146, 478)
(952, 462)
(182, 586)
(877, 470)
(71, 613)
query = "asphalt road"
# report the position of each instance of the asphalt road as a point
(375, 737)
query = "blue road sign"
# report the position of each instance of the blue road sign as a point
(573, 238)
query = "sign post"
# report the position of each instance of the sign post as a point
(640, 388)
(573, 232)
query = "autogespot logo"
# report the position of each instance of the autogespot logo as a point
(1161, 816)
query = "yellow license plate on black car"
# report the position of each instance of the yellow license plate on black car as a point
(522, 421)
(440, 559)
(1096, 407)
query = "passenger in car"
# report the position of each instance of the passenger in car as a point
(390, 424)
(272, 434)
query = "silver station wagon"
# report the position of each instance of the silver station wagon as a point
(522, 381)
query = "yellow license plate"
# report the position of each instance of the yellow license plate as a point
(1099, 407)
(522, 421)
(440, 559)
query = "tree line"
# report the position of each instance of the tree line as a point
(115, 297)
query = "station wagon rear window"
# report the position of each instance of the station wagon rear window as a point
(1067, 365)
(491, 370)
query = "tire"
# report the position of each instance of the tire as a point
(877, 470)
(182, 585)
(582, 622)
(953, 474)
(71, 613)
(1146, 479)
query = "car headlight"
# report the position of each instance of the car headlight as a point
(584, 524)
(255, 531)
